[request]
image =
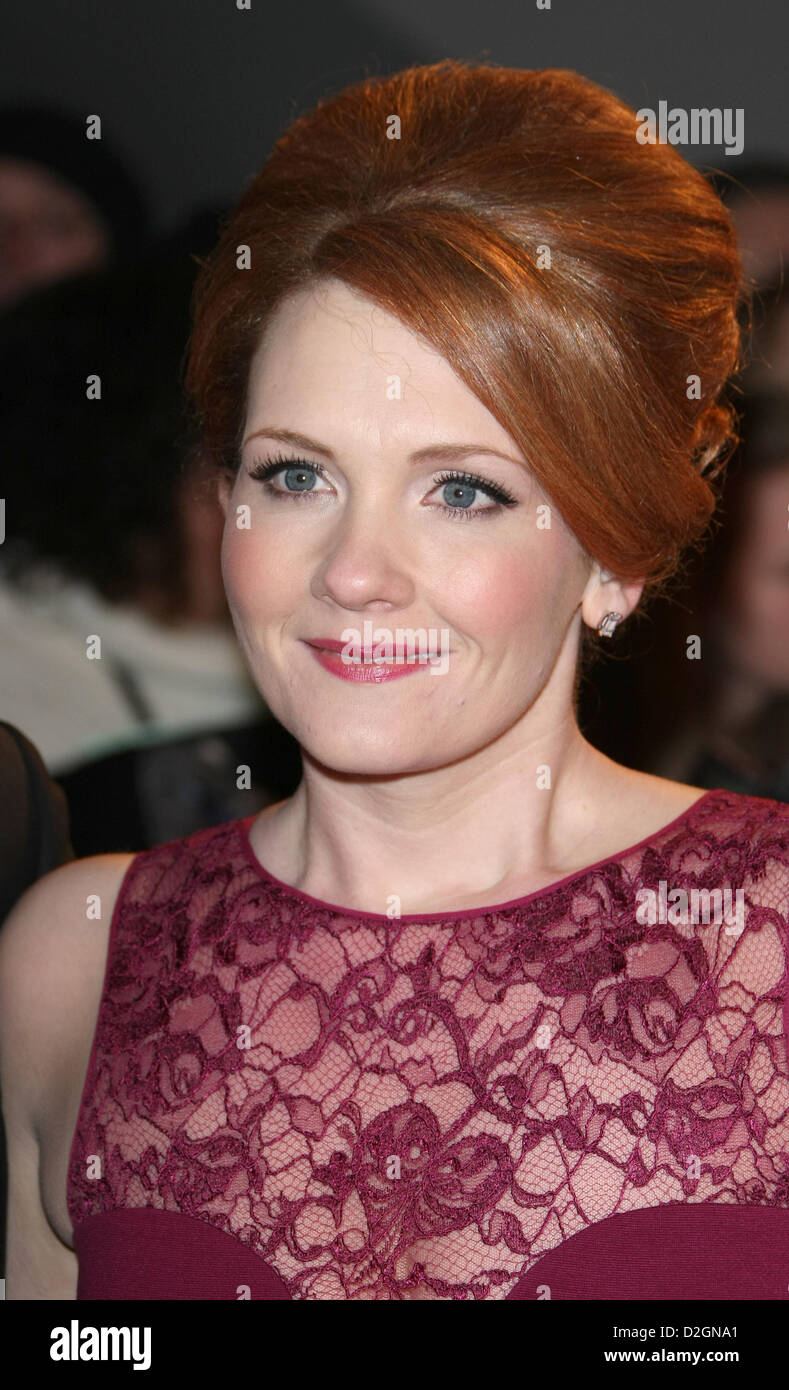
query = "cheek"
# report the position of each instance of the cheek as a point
(521, 588)
(233, 562)
(256, 576)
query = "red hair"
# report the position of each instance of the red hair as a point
(585, 363)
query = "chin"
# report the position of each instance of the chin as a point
(378, 755)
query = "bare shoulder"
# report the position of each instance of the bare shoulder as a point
(53, 948)
(670, 799)
(639, 804)
(662, 791)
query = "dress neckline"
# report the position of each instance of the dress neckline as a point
(461, 914)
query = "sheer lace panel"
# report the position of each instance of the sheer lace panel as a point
(422, 1107)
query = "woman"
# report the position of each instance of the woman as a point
(426, 1029)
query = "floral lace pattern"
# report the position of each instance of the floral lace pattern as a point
(391, 1108)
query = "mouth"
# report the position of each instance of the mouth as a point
(365, 668)
(335, 648)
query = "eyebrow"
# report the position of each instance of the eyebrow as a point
(431, 451)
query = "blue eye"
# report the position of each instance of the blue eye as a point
(299, 475)
(458, 491)
(462, 493)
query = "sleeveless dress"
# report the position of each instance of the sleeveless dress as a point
(580, 1094)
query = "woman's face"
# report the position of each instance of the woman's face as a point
(361, 528)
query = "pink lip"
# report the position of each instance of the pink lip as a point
(328, 651)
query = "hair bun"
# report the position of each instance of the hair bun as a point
(714, 440)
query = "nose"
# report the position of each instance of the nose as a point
(365, 564)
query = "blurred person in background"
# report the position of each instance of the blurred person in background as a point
(758, 200)
(112, 532)
(67, 203)
(717, 709)
(768, 372)
(724, 729)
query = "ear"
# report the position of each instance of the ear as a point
(606, 594)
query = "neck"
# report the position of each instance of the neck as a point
(454, 837)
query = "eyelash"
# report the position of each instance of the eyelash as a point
(262, 470)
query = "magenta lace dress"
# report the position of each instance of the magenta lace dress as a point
(572, 1095)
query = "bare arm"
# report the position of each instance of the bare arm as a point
(51, 967)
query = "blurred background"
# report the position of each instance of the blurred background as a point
(108, 528)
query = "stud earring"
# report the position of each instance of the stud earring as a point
(608, 624)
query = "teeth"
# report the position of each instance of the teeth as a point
(370, 661)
